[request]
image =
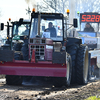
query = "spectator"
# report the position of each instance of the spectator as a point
(88, 28)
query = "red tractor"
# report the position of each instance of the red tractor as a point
(47, 52)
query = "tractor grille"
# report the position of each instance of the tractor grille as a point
(39, 51)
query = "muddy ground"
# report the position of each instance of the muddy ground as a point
(46, 91)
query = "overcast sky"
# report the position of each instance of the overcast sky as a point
(13, 9)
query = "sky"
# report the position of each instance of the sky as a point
(13, 9)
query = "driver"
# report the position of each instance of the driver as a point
(26, 32)
(51, 29)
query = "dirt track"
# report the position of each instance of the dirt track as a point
(48, 92)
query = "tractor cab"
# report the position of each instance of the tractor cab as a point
(17, 32)
(46, 36)
(47, 26)
(20, 29)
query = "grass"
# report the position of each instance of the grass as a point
(93, 98)
(98, 90)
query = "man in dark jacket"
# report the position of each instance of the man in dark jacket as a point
(88, 28)
(52, 30)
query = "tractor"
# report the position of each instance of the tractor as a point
(46, 52)
(16, 31)
(91, 37)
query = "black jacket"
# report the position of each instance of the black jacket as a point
(52, 32)
(91, 29)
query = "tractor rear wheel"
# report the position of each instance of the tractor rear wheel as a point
(82, 65)
(13, 80)
(72, 50)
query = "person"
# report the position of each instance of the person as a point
(51, 29)
(26, 32)
(88, 28)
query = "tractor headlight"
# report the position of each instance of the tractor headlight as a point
(42, 57)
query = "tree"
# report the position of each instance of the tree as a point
(58, 5)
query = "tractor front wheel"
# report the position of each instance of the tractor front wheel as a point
(82, 65)
(69, 70)
(13, 80)
(64, 81)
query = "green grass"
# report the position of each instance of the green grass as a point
(98, 90)
(92, 98)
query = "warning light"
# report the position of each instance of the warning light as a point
(78, 12)
(7, 38)
(68, 11)
(33, 10)
(9, 19)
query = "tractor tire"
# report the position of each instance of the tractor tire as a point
(72, 50)
(69, 70)
(13, 80)
(59, 81)
(82, 65)
(64, 81)
(89, 67)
